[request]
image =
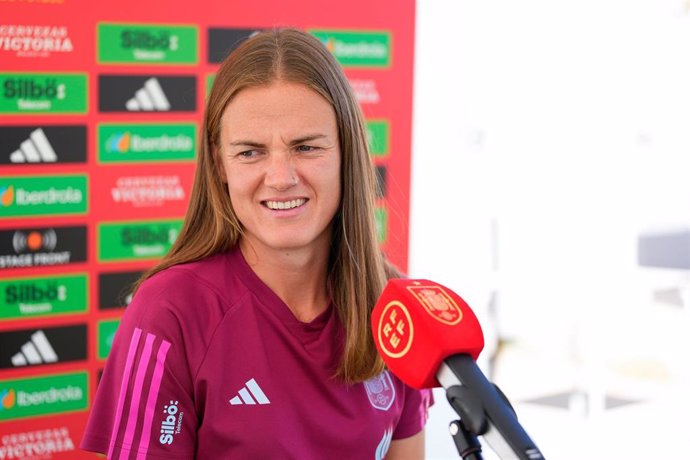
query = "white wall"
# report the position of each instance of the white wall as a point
(547, 136)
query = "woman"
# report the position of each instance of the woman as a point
(251, 338)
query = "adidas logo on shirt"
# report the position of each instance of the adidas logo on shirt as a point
(35, 149)
(36, 351)
(149, 98)
(250, 394)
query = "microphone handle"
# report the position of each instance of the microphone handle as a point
(505, 435)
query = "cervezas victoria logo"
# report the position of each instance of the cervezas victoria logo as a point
(27, 40)
(36, 443)
(366, 90)
(143, 191)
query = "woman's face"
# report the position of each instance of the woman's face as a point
(281, 160)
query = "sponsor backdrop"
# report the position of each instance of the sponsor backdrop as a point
(100, 110)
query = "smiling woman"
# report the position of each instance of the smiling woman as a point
(281, 161)
(251, 338)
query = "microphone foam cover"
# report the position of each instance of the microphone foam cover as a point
(418, 323)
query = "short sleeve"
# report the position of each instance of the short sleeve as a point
(415, 412)
(144, 405)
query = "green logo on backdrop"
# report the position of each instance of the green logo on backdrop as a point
(357, 49)
(43, 195)
(36, 93)
(106, 335)
(147, 44)
(210, 78)
(381, 218)
(378, 136)
(47, 394)
(125, 143)
(44, 295)
(136, 240)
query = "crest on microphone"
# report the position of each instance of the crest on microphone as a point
(437, 303)
(395, 330)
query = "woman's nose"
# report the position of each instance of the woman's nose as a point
(281, 173)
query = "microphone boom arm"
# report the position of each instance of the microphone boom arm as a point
(503, 432)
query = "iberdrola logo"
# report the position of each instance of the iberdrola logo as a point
(7, 195)
(119, 142)
(330, 45)
(7, 399)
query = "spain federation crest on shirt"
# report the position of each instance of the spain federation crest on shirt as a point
(380, 391)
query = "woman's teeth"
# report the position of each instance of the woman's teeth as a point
(285, 204)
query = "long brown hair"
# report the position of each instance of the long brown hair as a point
(357, 269)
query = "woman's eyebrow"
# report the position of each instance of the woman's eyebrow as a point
(307, 138)
(243, 143)
(299, 140)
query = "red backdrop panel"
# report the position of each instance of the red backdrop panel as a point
(91, 190)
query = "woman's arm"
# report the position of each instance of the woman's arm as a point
(411, 448)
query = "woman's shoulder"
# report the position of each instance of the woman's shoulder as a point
(207, 287)
(217, 274)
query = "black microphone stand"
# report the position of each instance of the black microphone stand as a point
(484, 411)
(467, 444)
(470, 414)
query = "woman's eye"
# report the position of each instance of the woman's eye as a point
(305, 148)
(248, 154)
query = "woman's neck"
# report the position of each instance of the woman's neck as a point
(297, 277)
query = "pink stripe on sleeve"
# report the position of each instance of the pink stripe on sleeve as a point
(151, 401)
(136, 397)
(133, 344)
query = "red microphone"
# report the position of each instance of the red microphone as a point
(419, 323)
(429, 337)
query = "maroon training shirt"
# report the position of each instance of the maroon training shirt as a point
(209, 363)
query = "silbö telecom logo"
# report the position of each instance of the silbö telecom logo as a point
(41, 92)
(172, 424)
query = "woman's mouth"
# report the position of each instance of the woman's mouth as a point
(283, 205)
